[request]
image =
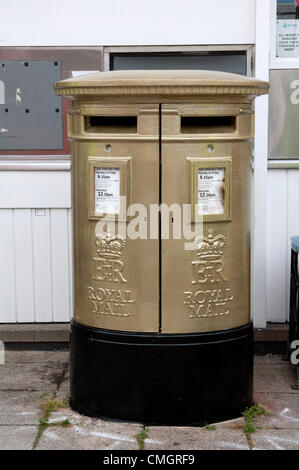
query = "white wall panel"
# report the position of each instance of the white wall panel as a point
(259, 220)
(277, 232)
(120, 22)
(27, 189)
(59, 228)
(42, 264)
(35, 265)
(71, 260)
(24, 282)
(282, 223)
(293, 223)
(7, 268)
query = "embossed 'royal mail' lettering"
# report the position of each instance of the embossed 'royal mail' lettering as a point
(207, 303)
(107, 267)
(208, 274)
(113, 302)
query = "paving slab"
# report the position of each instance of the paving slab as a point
(193, 438)
(58, 438)
(233, 424)
(88, 433)
(35, 356)
(269, 359)
(282, 410)
(31, 376)
(64, 387)
(20, 408)
(17, 437)
(272, 439)
(274, 376)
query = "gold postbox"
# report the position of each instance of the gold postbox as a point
(180, 139)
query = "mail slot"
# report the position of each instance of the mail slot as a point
(208, 124)
(161, 164)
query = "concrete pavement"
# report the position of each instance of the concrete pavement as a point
(34, 383)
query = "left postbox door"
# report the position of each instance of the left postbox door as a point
(116, 154)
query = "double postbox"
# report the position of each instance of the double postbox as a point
(161, 164)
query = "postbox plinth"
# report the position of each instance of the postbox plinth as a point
(161, 333)
(161, 379)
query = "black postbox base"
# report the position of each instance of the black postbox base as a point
(161, 379)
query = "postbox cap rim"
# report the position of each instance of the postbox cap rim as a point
(152, 82)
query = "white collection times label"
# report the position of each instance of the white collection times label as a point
(211, 190)
(107, 190)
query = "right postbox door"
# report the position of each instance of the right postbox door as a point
(205, 176)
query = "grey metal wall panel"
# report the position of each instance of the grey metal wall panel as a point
(284, 114)
(31, 117)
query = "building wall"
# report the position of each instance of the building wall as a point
(282, 203)
(35, 268)
(35, 246)
(283, 222)
(35, 274)
(133, 22)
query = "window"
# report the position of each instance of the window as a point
(287, 9)
(234, 59)
(287, 28)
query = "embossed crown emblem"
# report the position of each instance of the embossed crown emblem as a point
(108, 245)
(210, 247)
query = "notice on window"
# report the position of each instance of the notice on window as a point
(107, 190)
(211, 190)
(287, 38)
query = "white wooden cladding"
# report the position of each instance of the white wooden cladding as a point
(27, 189)
(282, 223)
(35, 265)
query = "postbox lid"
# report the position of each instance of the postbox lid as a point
(161, 82)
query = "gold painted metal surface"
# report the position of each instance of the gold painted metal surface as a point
(118, 279)
(161, 82)
(206, 289)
